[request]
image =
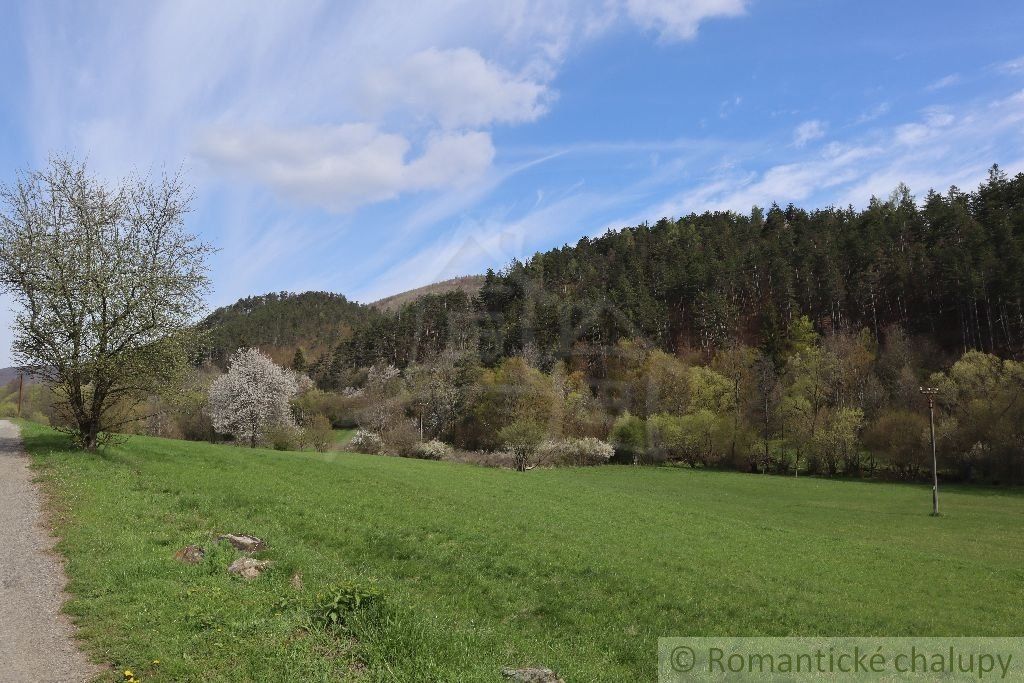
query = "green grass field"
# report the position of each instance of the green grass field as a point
(579, 570)
(342, 436)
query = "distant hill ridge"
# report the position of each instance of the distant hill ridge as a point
(9, 375)
(281, 322)
(470, 284)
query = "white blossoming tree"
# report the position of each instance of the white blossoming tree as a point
(252, 396)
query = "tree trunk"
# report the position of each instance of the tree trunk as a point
(89, 433)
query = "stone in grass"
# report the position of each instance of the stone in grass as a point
(190, 554)
(248, 568)
(531, 675)
(244, 542)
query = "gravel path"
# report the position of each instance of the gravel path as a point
(36, 640)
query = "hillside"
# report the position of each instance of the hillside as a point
(279, 323)
(8, 375)
(469, 284)
(577, 569)
(948, 270)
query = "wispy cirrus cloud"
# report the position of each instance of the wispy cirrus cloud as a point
(808, 131)
(943, 146)
(944, 82)
(876, 112)
(411, 71)
(1012, 66)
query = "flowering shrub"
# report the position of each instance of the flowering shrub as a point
(586, 451)
(366, 442)
(252, 397)
(432, 450)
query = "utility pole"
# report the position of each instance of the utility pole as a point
(931, 392)
(21, 390)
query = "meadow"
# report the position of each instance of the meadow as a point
(473, 569)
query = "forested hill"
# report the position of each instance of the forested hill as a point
(948, 269)
(280, 323)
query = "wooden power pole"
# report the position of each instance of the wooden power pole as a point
(931, 392)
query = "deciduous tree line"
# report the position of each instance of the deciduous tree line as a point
(840, 404)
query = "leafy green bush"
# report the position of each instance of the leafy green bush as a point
(335, 604)
(688, 438)
(283, 438)
(629, 437)
(218, 557)
(522, 438)
(317, 433)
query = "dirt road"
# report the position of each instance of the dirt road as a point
(36, 640)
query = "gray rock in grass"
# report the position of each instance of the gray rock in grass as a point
(248, 567)
(190, 554)
(244, 542)
(531, 675)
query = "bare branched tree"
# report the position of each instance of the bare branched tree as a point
(107, 284)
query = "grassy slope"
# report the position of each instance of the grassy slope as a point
(579, 570)
(342, 436)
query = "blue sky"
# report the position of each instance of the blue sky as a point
(368, 148)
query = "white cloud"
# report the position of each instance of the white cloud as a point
(874, 113)
(808, 131)
(944, 82)
(942, 148)
(679, 19)
(342, 167)
(458, 88)
(412, 69)
(793, 182)
(1012, 66)
(935, 119)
